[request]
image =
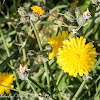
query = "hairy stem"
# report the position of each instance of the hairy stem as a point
(62, 22)
(8, 54)
(46, 65)
(40, 46)
(24, 51)
(79, 90)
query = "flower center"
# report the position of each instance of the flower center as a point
(88, 14)
(77, 56)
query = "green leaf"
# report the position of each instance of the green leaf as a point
(7, 60)
(85, 5)
(97, 95)
(58, 7)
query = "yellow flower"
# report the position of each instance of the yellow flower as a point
(76, 57)
(37, 9)
(74, 4)
(57, 42)
(6, 79)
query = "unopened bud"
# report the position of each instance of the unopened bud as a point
(34, 16)
(86, 77)
(69, 16)
(23, 76)
(24, 19)
(94, 1)
(81, 21)
(22, 11)
(77, 12)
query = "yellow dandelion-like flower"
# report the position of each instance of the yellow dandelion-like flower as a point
(37, 9)
(57, 42)
(76, 57)
(6, 79)
(74, 4)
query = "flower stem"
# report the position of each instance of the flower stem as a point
(24, 51)
(40, 46)
(37, 36)
(47, 69)
(5, 43)
(62, 22)
(14, 3)
(94, 82)
(54, 83)
(17, 90)
(59, 77)
(79, 90)
(78, 28)
(73, 34)
(24, 92)
(36, 84)
(32, 86)
(8, 53)
(48, 78)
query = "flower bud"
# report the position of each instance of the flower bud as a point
(23, 76)
(34, 16)
(94, 1)
(77, 12)
(22, 11)
(86, 77)
(81, 21)
(69, 16)
(24, 19)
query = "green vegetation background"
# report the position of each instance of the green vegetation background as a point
(9, 18)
